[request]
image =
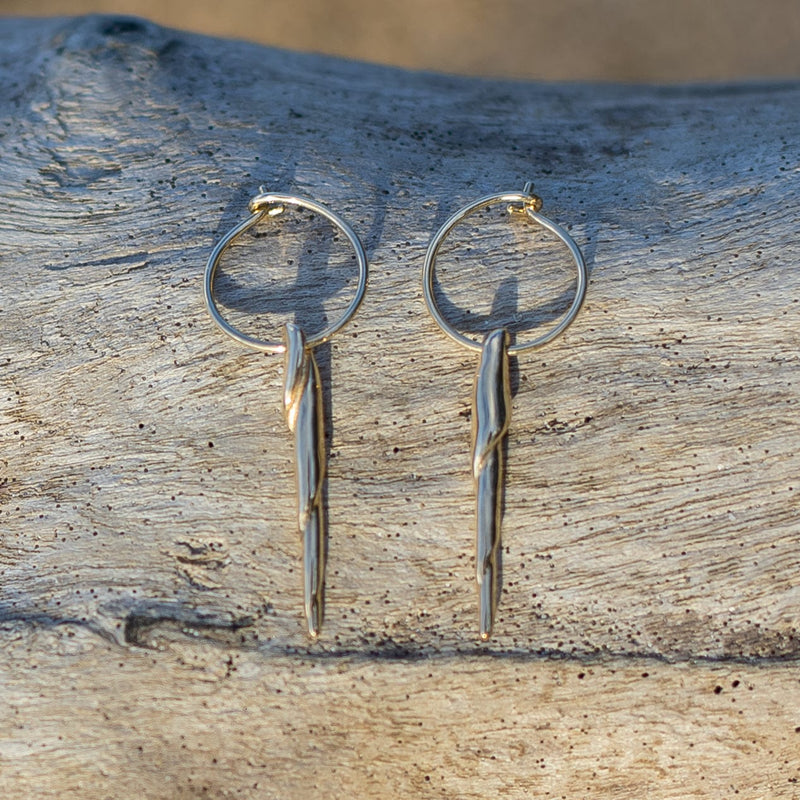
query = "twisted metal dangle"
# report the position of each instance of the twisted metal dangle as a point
(302, 403)
(491, 400)
(302, 396)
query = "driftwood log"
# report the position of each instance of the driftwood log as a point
(152, 642)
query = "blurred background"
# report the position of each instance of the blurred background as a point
(607, 40)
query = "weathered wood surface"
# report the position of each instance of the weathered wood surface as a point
(152, 638)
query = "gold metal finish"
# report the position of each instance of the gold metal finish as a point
(491, 413)
(532, 201)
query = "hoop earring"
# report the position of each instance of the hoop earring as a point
(302, 395)
(491, 411)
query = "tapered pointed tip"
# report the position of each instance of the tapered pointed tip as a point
(314, 621)
(487, 587)
(486, 624)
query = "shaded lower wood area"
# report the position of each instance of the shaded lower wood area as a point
(152, 641)
(197, 719)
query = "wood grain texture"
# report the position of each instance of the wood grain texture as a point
(147, 481)
(183, 721)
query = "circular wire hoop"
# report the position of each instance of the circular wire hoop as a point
(524, 199)
(270, 204)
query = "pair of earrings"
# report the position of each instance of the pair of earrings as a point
(302, 395)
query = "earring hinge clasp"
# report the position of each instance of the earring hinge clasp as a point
(532, 202)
